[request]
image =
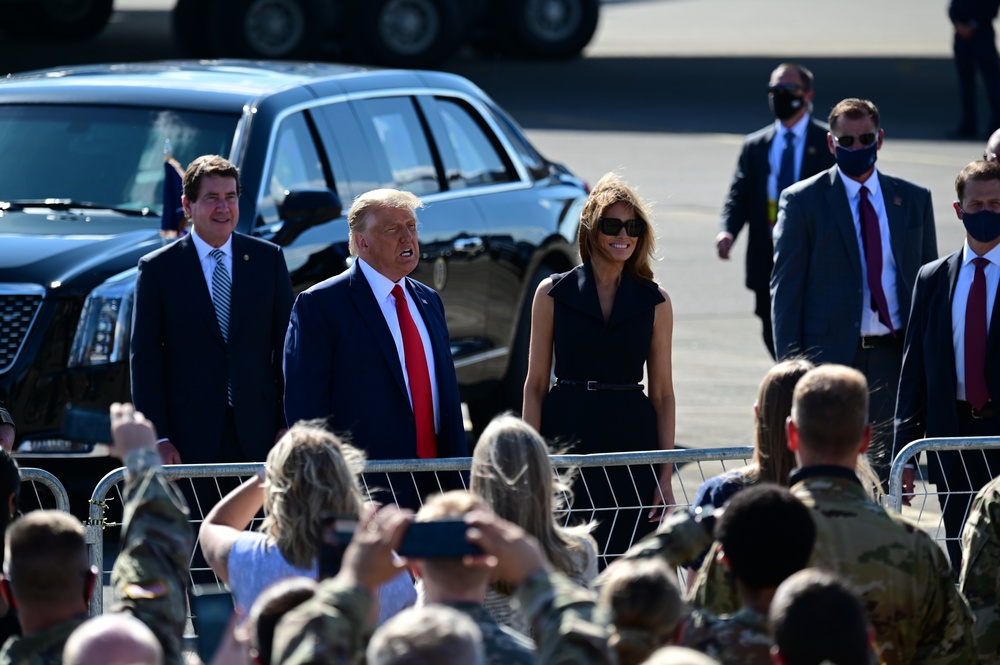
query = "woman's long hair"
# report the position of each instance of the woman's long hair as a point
(772, 460)
(512, 473)
(311, 474)
(611, 189)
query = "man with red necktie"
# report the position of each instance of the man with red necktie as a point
(369, 350)
(950, 382)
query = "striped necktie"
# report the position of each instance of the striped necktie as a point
(222, 290)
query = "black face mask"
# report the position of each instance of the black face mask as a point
(784, 104)
(983, 226)
(856, 163)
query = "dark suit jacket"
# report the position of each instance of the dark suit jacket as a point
(816, 287)
(180, 364)
(341, 364)
(747, 200)
(926, 403)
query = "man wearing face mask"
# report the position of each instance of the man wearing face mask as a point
(847, 246)
(789, 149)
(951, 366)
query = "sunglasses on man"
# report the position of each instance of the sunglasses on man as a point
(848, 141)
(612, 226)
(783, 87)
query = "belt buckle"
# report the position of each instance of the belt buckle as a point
(591, 385)
(866, 344)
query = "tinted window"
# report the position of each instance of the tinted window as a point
(338, 126)
(471, 156)
(295, 164)
(101, 154)
(404, 160)
(535, 163)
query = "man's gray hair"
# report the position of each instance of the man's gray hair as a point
(431, 634)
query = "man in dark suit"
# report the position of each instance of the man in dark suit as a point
(951, 365)
(793, 147)
(369, 350)
(847, 247)
(208, 330)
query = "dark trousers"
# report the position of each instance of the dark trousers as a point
(763, 312)
(980, 53)
(965, 473)
(881, 367)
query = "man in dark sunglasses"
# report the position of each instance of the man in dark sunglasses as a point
(847, 246)
(789, 149)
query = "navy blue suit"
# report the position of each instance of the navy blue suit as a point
(341, 364)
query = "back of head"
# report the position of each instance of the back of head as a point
(512, 473)
(679, 656)
(980, 171)
(815, 617)
(855, 109)
(644, 606)
(772, 459)
(46, 560)
(272, 604)
(767, 534)
(311, 474)
(830, 410)
(451, 575)
(434, 634)
(113, 639)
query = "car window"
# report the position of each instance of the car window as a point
(405, 161)
(345, 142)
(101, 154)
(470, 155)
(295, 164)
(536, 164)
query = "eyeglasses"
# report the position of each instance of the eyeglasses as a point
(783, 87)
(612, 226)
(848, 141)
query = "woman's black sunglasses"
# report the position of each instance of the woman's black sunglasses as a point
(612, 226)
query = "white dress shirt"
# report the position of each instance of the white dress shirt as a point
(870, 324)
(208, 262)
(960, 300)
(382, 289)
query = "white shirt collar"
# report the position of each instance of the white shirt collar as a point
(380, 284)
(204, 249)
(853, 187)
(799, 128)
(967, 254)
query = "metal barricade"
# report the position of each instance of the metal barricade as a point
(40, 477)
(922, 509)
(691, 468)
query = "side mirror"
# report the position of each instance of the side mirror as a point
(305, 208)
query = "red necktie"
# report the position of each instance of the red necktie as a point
(419, 377)
(871, 240)
(976, 391)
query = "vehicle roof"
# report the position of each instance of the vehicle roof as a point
(222, 85)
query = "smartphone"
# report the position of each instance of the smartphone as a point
(437, 539)
(211, 609)
(335, 535)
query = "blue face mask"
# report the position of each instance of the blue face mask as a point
(983, 226)
(857, 162)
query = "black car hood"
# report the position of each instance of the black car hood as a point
(72, 250)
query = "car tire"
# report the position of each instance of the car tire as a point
(267, 29)
(407, 33)
(189, 21)
(551, 28)
(56, 20)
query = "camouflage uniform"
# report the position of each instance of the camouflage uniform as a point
(737, 639)
(150, 575)
(502, 645)
(42, 648)
(902, 576)
(330, 627)
(981, 570)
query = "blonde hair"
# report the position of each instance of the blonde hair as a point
(311, 474)
(644, 606)
(611, 189)
(512, 473)
(450, 572)
(772, 460)
(369, 203)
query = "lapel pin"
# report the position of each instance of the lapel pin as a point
(897, 201)
(423, 301)
(246, 257)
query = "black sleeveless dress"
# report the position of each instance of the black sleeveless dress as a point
(604, 421)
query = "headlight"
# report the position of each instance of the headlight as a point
(102, 334)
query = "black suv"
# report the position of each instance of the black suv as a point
(81, 197)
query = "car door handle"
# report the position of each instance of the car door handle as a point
(468, 245)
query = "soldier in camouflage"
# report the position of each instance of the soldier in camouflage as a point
(981, 570)
(903, 577)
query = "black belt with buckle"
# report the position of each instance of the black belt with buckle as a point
(966, 409)
(597, 385)
(881, 341)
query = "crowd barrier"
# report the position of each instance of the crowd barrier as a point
(927, 500)
(691, 467)
(33, 479)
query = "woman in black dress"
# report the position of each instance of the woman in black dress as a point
(604, 321)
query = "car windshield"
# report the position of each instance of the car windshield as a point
(106, 155)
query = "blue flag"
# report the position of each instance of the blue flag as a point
(173, 185)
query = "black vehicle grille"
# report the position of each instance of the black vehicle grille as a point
(17, 312)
